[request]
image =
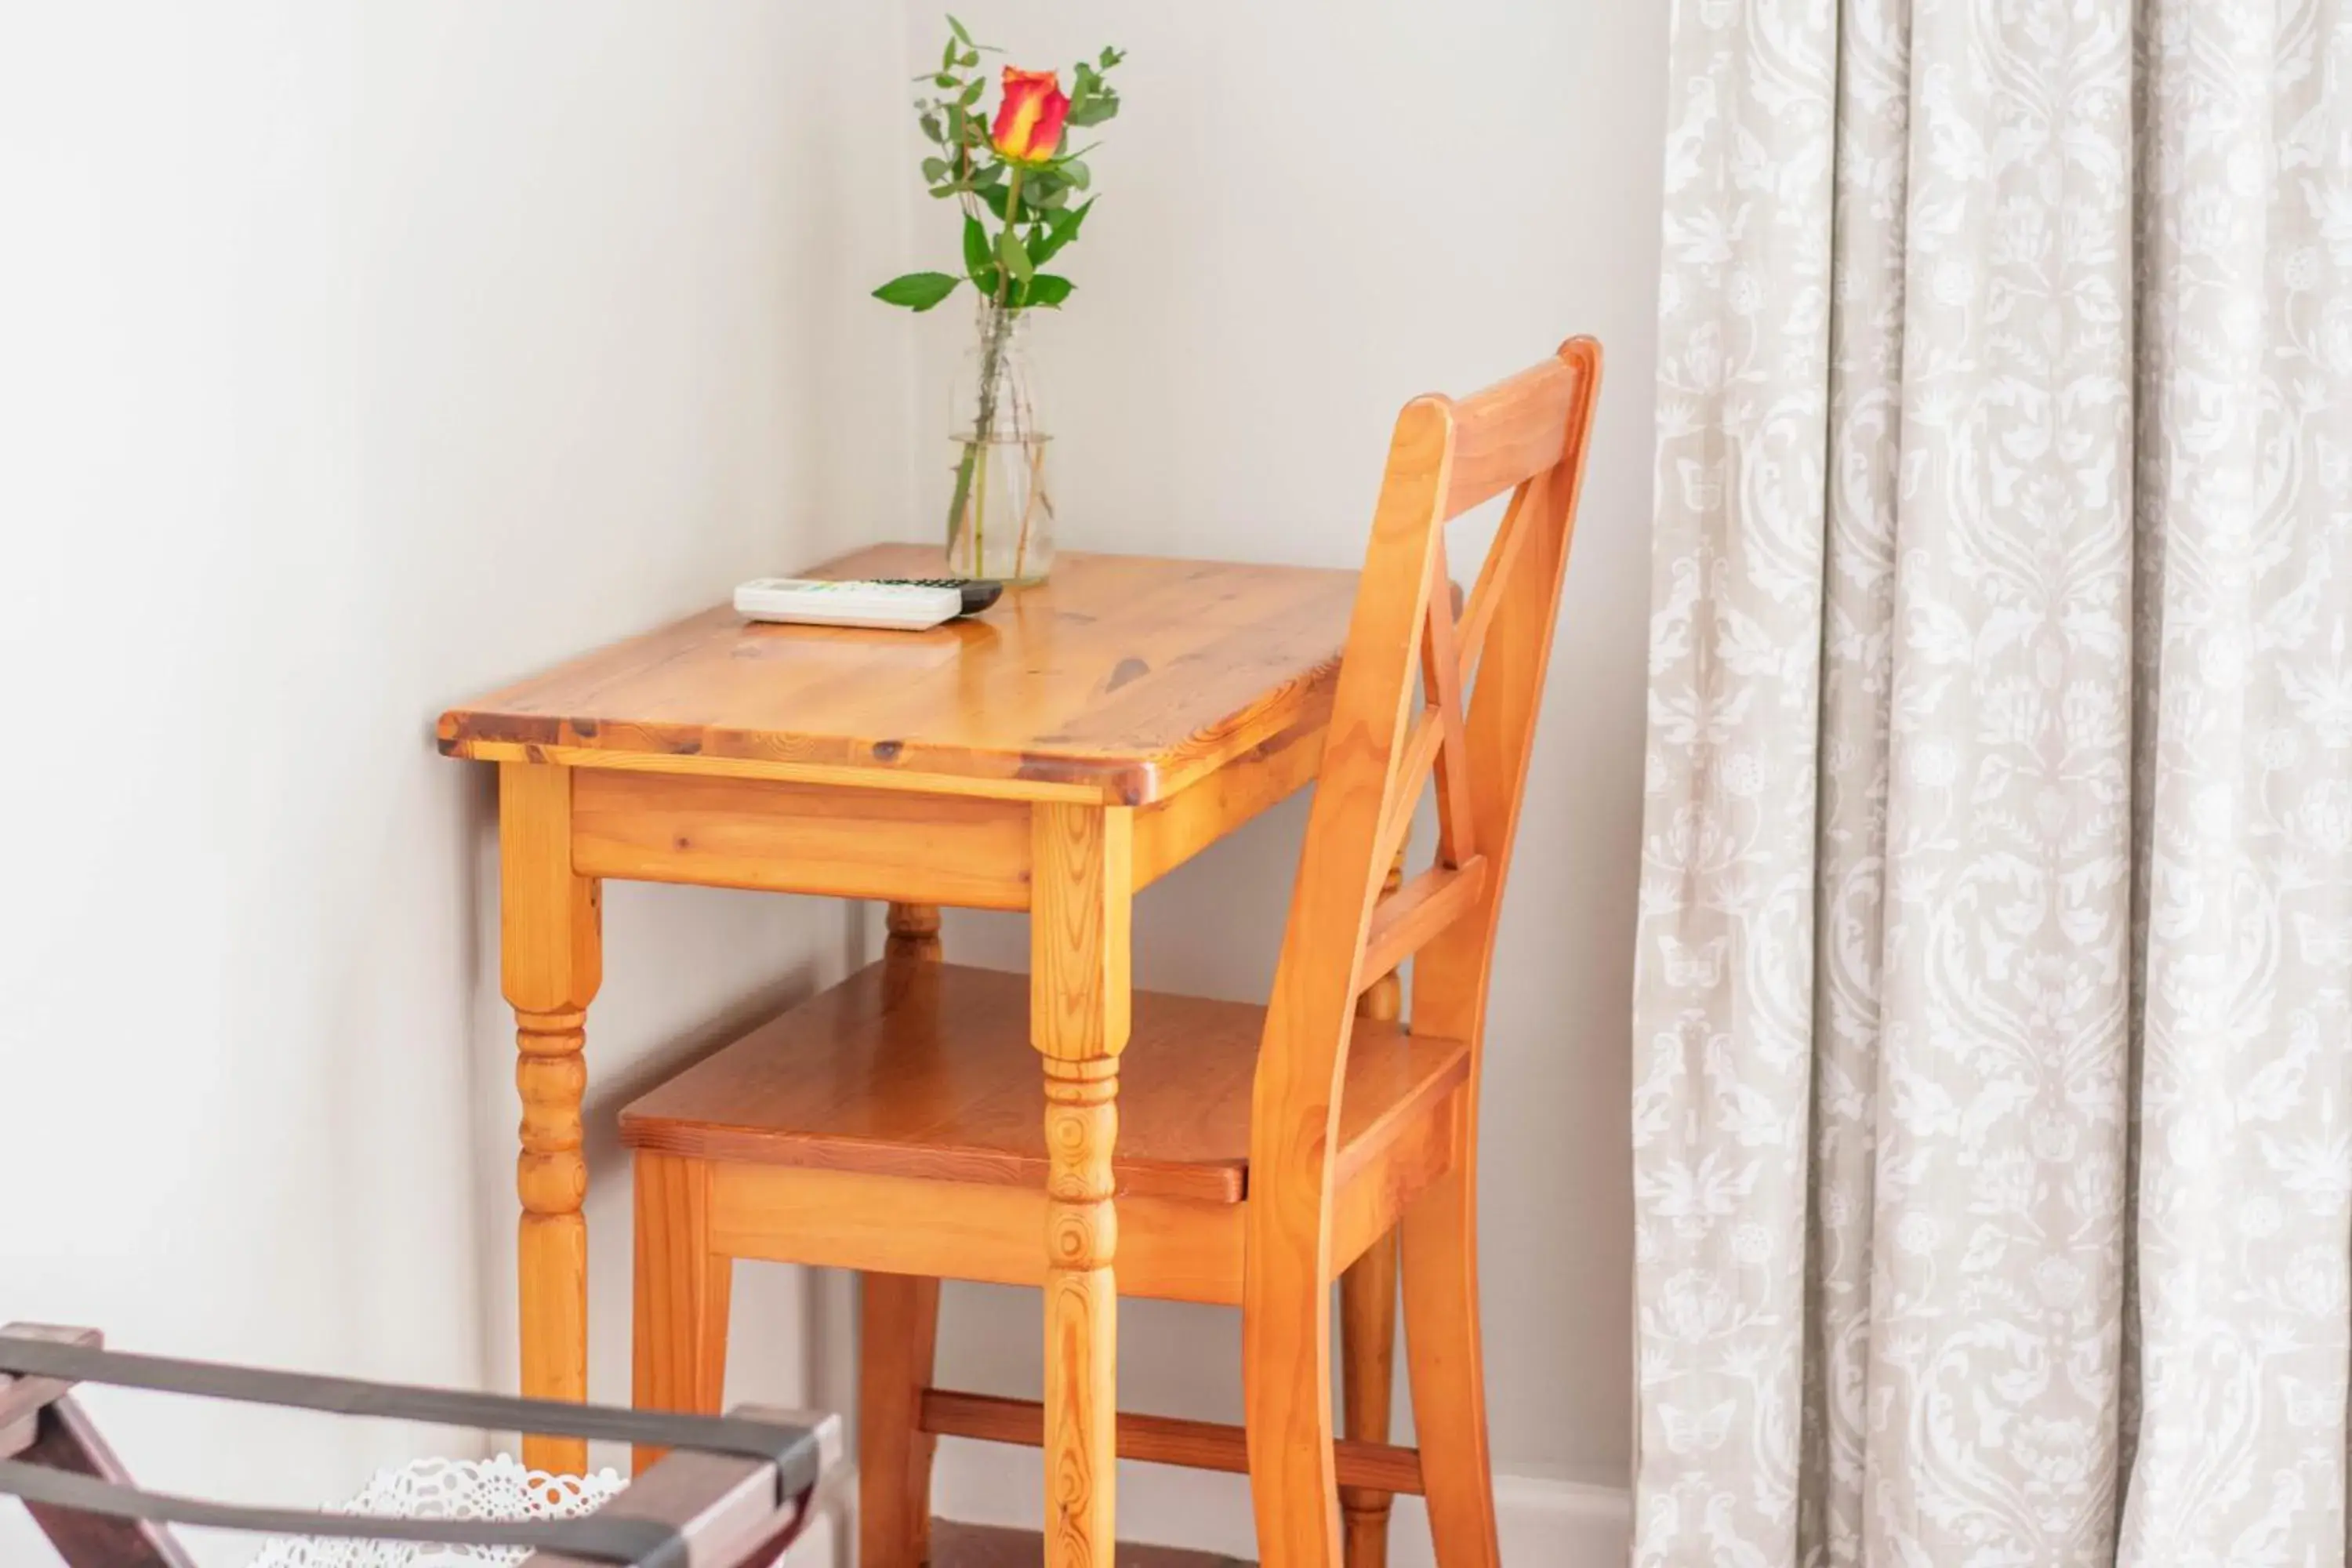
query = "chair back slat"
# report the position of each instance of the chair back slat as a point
(1426, 689)
(1508, 432)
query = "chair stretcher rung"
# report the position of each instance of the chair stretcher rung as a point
(1161, 1439)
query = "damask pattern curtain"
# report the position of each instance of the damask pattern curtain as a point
(1993, 1105)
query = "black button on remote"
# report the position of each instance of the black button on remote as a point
(979, 593)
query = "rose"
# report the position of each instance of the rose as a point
(1029, 122)
(1021, 195)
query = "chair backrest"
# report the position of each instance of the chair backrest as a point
(1390, 736)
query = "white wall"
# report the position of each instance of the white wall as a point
(354, 358)
(1310, 213)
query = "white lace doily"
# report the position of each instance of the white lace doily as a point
(497, 1487)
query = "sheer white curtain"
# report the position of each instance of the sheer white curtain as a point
(1993, 1106)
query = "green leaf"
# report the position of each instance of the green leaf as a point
(1015, 259)
(943, 82)
(975, 247)
(1046, 289)
(971, 94)
(1078, 173)
(993, 196)
(962, 37)
(1062, 229)
(917, 290)
(931, 124)
(935, 170)
(1098, 108)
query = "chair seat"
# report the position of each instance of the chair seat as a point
(927, 1070)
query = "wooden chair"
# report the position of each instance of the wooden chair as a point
(890, 1124)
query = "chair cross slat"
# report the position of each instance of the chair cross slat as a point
(1406, 784)
(1471, 625)
(1441, 674)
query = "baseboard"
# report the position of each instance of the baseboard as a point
(1545, 1522)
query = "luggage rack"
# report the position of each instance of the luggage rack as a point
(731, 1491)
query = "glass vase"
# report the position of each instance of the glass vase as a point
(1001, 508)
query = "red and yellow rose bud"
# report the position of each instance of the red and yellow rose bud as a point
(1029, 122)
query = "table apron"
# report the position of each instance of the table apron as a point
(835, 840)
(774, 837)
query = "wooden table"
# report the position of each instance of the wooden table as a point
(1057, 754)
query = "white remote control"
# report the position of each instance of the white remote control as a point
(817, 602)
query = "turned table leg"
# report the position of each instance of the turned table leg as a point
(1082, 882)
(551, 961)
(914, 933)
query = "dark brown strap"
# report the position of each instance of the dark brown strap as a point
(633, 1542)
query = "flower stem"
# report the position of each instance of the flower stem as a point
(972, 469)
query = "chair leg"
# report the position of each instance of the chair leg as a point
(1367, 1371)
(898, 1320)
(1440, 1266)
(1367, 1293)
(898, 1317)
(680, 1336)
(1286, 1400)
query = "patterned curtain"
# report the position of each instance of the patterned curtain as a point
(1993, 1106)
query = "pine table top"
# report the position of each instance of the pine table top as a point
(1122, 678)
